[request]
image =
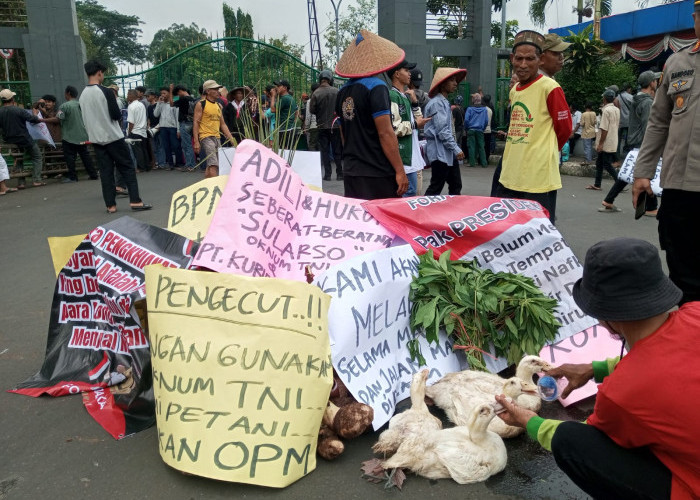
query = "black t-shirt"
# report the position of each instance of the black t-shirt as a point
(359, 102)
(183, 106)
(13, 121)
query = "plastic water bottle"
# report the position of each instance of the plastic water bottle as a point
(550, 388)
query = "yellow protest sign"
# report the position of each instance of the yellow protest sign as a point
(62, 248)
(192, 208)
(241, 373)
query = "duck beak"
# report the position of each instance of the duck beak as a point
(528, 388)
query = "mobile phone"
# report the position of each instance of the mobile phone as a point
(641, 205)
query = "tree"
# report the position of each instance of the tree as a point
(538, 7)
(363, 15)
(512, 28)
(237, 23)
(109, 37)
(282, 43)
(169, 41)
(451, 9)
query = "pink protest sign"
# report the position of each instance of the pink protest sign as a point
(268, 223)
(592, 344)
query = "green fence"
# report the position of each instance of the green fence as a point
(231, 61)
(21, 88)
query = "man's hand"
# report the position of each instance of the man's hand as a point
(196, 146)
(460, 155)
(178, 134)
(514, 415)
(420, 122)
(639, 186)
(412, 96)
(599, 147)
(402, 181)
(578, 375)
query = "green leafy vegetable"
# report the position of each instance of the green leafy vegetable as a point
(477, 308)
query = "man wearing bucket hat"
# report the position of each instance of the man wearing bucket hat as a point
(642, 440)
(442, 151)
(673, 131)
(540, 125)
(372, 166)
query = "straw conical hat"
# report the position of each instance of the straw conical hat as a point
(368, 54)
(444, 74)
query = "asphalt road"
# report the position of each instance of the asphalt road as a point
(51, 447)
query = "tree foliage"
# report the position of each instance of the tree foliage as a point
(237, 23)
(109, 37)
(362, 15)
(457, 10)
(538, 8)
(169, 41)
(512, 28)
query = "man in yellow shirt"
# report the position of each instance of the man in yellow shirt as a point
(208, 125)
(540, 125)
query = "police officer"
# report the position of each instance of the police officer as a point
(673, 132)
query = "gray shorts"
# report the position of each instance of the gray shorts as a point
(209, 148)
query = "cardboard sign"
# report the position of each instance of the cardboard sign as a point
(626, 172)
(592, 344)
(62, 249)
(241, 374)
(370, 326)
(95, 341)
(39, 131)
(305, 163)
(268, 223)
(509, 235)
(192, 208)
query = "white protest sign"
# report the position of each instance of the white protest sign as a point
(40, 132)
(269, 223)
(305, 163)
(626, 172)
(369, 325)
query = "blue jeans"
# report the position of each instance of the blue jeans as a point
(412, 184)
(186, 141)
(171, 145)
(158, 149)
(588, 149)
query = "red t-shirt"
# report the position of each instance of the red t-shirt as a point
(652, 398)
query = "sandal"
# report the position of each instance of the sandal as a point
(111, 210)
(38, 184)
(8, 190)
(594, 188)
(21, 186)
(141, 208)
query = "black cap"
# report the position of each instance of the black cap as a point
(416, 76)
(284, 83)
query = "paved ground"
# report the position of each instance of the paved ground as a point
(53, 448)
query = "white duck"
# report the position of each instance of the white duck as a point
(472, 380)
(415, 420)
(512, 387)
(466, 454)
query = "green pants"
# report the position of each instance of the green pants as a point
(475, 144)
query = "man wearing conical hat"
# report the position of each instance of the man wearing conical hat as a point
(540, 125)
(372, 165)
(441, 148)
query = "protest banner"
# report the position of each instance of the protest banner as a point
(62, 249)
(241, 374)
(369, 326)
(192, 208)
(268, 223)
(592, 344)
(626, 172)
(305, 163)
(508, 235)
(40, 132)
(95, 342)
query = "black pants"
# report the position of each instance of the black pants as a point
(678, 236)
(70, 152)
(604, 161)
(140, 152)
(370, 188)
(327, 139)
(603, 469)
(652, 202)
(111, 156)
(548, 199)
(442, 172)
(572, 143)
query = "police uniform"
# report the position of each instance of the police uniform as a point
(674, 133)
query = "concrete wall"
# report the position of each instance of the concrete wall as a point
(55, 53)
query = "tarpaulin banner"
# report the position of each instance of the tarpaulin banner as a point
(95, 341)
(369, 325)
(509, 235)
(626, 172)
(241, 373)
(268, 223)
